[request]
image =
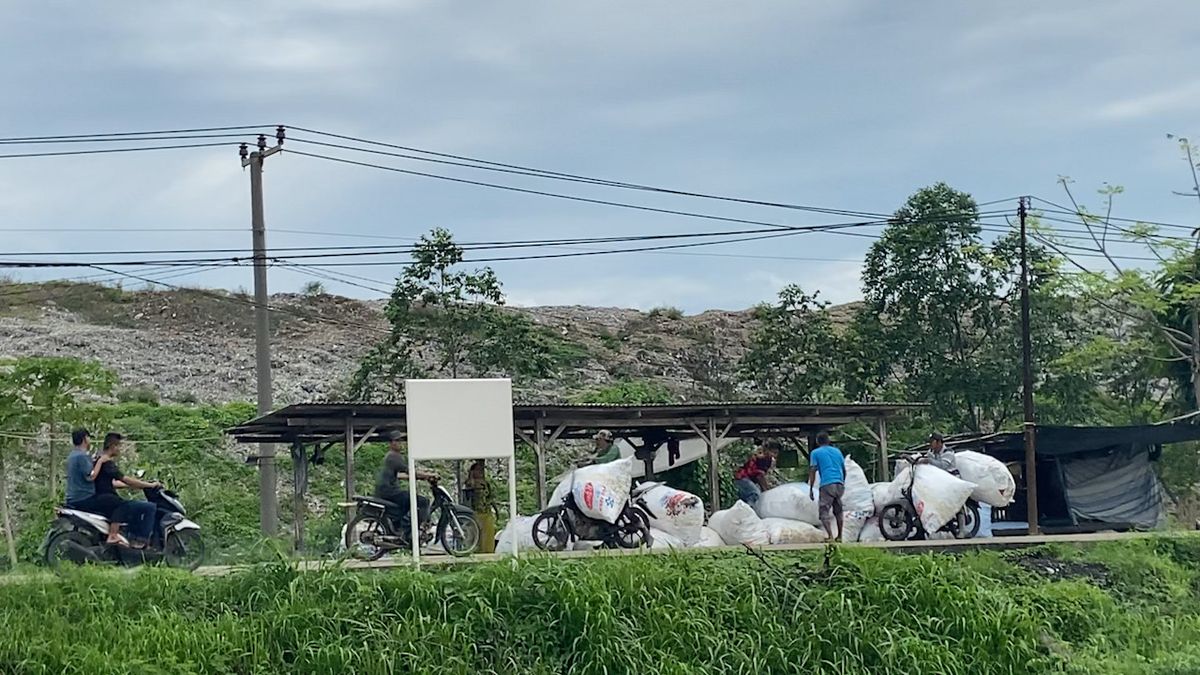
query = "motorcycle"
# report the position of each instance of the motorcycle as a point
(899, 520)
(560, 526)
(374, 531)
(79, 537)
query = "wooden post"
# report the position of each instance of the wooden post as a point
(299, 486)
(539, 452)
(883, 473)
(714, 479)
(349, 468)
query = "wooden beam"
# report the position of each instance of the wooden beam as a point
(883, 473)
(349, 478)
(539, 453)
(714, 480)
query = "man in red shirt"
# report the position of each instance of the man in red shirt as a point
(751, 479)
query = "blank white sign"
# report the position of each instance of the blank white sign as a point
(459, 419)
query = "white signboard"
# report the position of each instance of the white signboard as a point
(458, 419)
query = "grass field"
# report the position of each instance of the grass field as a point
(1124, 607)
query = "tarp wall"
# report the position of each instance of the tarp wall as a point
(1118, 487)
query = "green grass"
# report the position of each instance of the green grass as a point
(865, 611)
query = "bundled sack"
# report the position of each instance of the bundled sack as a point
(883, 494)
(937, 495)
(784, 531)
(858, 495)
(709, 538)
(993, 481)
(560, 493)
(601, 491)
(676, 512)
(853, 523)
(870, 531)
(790, 501)
(739, 524)
(519, 532)
(664, 540)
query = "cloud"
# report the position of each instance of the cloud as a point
(1175, 98)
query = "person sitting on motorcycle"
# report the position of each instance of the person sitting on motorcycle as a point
(938, 455)
(395, 469)
(81, 487)
(138, 515)
(606, 450)
(751, 479)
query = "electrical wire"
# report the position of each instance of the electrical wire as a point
(117, 150)
(142, 133)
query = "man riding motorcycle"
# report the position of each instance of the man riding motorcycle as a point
(395, 469)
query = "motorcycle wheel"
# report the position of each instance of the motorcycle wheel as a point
(634, 531)
(970, 524)
(459, 532)
(550, 532)
(59, 549)
(184, 549)
(365, 527)
(895, 522)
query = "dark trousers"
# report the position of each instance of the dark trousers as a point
(137, 515)
(400, 499)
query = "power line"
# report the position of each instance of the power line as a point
(116, 150)
(123, 140)
(139, 133)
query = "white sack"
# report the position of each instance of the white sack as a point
(870, 531)
(938, 496)
(602, 491)
(661, 540)
(853, 523)
(993, 481)
(858, 495)
(790, 501)
(739, 524)
(560, 493)
(709, 538)
(676, 512)
(985, 521)
(885, 493)
(784, 531)
(520, 531)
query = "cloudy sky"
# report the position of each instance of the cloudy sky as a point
(850, 105)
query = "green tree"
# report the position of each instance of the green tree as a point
(54, 387)
(447, 322)
(14, 417)
(794, 350)
(627, 392)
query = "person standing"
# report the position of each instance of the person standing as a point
(751, 479)
(831, 464)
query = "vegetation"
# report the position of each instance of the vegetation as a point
(1131, 607)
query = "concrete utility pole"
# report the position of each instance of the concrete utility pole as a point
(268, 500)
(1031, 496)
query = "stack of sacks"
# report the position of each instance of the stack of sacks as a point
(858, 501)
(664, 540)
(677, 513)
(790, 501)
(993, 481)
(870, 530)
(739, 524)
(520, 532)
(709, 538)
(784, 531)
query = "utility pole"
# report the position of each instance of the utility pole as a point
(268, 499)
(1031, 496)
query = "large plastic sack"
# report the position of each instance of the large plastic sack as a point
(517, 532)
(676, 512)
(791, 501)
(853, 523)
(993, 481)
(784, 531)
(739, 524)
(661, 540)
(870, 531)
(560, 493)
(709, 538)
(858, 495)
(938, 496)
(602, 491)
(885, 493)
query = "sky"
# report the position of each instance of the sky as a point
(850, 105)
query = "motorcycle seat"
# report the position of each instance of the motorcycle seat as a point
(382, 503)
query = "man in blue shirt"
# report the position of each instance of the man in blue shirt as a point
(831, 464)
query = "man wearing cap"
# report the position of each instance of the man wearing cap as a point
(938, 455)
(395, 469)
(606, 449)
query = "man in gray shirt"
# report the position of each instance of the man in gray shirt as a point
(395, 469)
(81, 486)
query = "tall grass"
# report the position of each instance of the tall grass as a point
(859, 612)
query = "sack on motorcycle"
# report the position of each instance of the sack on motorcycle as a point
(784, 531)
(791, 501)
(885, 493)
(517, 532)
(676, 512)
(937, 495)
(993, 481)
(601, 491)
(739, 524)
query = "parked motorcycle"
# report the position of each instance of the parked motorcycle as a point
(560, 526)
(899, 520)
(79, 537)
(374, 532)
